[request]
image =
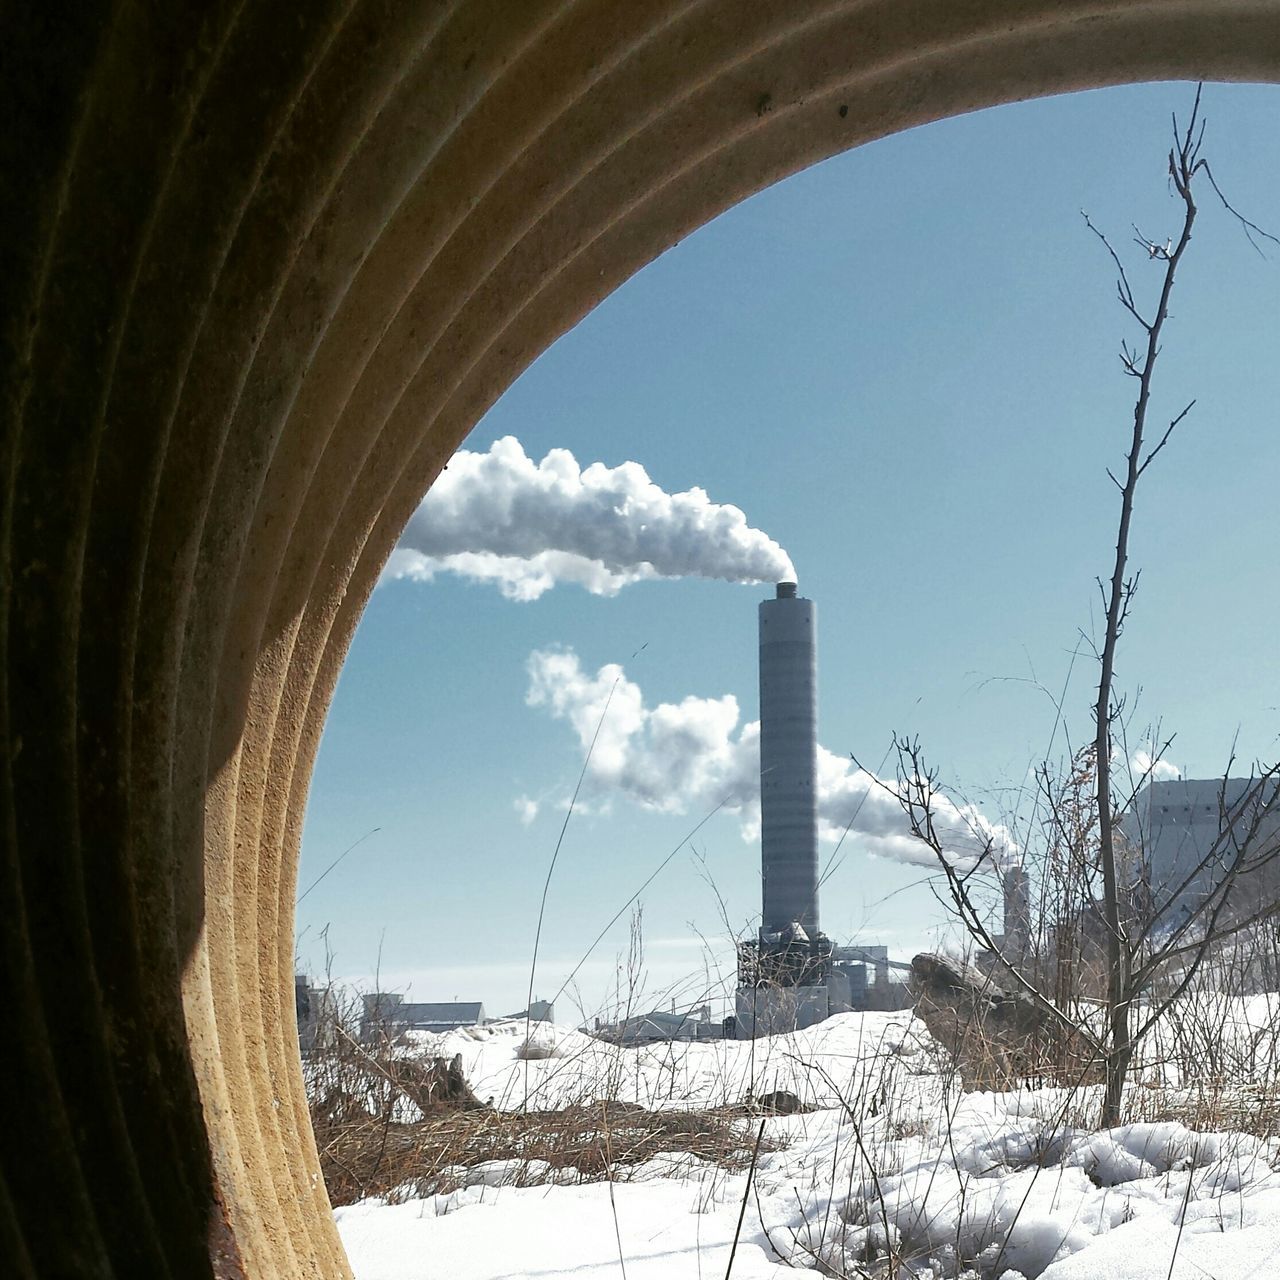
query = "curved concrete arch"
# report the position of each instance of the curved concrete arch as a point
(263, 267)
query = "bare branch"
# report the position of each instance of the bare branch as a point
(1250, 228)
(1124, 290)
(1164, 439)
(914, 792)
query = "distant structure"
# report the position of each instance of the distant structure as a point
(791, 976)
(784, 975)
(388, 1015)
(317, 1012)
(1175, 844)
(1014, 945)
(1181, 837)
(538, 1011)
(661, 1025)
(860, 980)
(1015, 942)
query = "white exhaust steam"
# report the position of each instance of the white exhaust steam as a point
(689, 756)
(500, 517)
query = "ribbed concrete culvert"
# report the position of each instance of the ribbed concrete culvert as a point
(221, 406)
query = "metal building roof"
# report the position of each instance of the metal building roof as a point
(461, 1013)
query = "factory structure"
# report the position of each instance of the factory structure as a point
(387, 1015)
(791, 975)
(1177, 840)
(661, 1026)
(1183, 834)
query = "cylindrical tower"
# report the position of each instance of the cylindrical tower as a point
(788, 761)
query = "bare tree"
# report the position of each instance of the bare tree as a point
(1126, 979)
(1184, 162)
(1096, 903)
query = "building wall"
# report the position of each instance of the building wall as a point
(769, 1011)
(1181, 842)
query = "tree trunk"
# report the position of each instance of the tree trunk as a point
(1182, 167)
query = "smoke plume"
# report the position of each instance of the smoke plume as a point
(685, 756)
(500, 517)
(1144, 765)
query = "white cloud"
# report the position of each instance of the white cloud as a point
(1144, 766)
(500, 517)
(690, 755)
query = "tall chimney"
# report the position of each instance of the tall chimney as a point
(788, 761)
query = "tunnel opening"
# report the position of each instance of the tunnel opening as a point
(470, 604)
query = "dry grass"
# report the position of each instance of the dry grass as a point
(393, 1124)
(1211, 1106)
(372, 1156)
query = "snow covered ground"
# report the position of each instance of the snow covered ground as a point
(895, 1162)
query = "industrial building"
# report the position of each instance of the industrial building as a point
(317, 1012)
(1183, 835)
(386, 1014)
(661, 1025)
(791, 975)
(538, 1011)
(1175, 844)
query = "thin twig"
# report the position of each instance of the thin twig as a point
(746, 1192)
(546, 887)
(1250, 228)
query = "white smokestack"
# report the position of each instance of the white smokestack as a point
(501, 517)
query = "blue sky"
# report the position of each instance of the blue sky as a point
(901, 365)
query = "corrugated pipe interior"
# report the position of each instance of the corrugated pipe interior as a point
(262, 268)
